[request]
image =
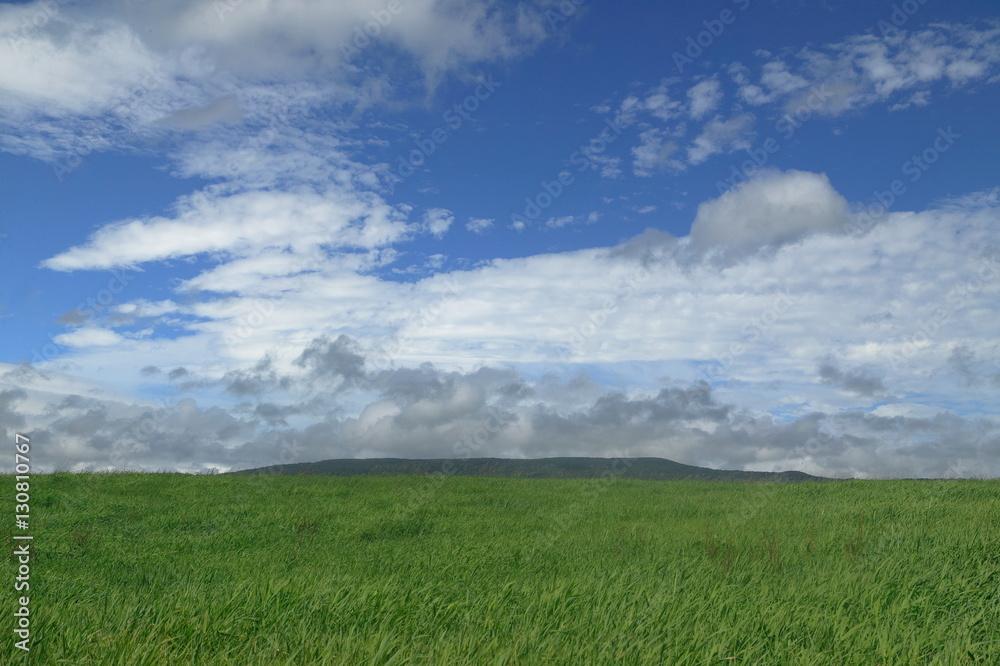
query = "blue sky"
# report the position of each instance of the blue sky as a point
(755, 235)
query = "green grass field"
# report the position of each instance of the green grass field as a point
(170, 569)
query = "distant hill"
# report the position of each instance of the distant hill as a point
(651, 469)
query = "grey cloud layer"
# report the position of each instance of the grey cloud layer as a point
(426, 412)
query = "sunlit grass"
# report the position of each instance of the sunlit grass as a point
(170, 569)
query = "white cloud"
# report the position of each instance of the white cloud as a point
(774, 208)
(868, 69)
(748, 92)
(241, 225)
(423, 411)
(295, 236)
(437, 221)
(143, 308)
(88, 337)
(704, 98)
(557, 222)
(799, 213)
(780, 81)
(656, 102)
(253, 40)
(654, 154)
(479, 225)
(920, 98)
(721, 136)
(652, 307)
(909, 410)
(609, 165)
(109, 75)
(989, 198)
(628, 110)
(659, 103)
(71, 66)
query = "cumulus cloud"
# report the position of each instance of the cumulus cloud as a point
(780, 81)
(654, 154)
(773, 209)
(721, 136)
(704, 98)
(332, 358)
(659, 103)
(437, 221)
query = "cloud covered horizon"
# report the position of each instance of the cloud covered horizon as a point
(424, 412)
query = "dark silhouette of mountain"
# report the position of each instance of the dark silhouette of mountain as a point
(651, 469)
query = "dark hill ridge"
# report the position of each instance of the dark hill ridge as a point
(650, 469)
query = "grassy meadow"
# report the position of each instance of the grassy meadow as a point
(169, 569)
